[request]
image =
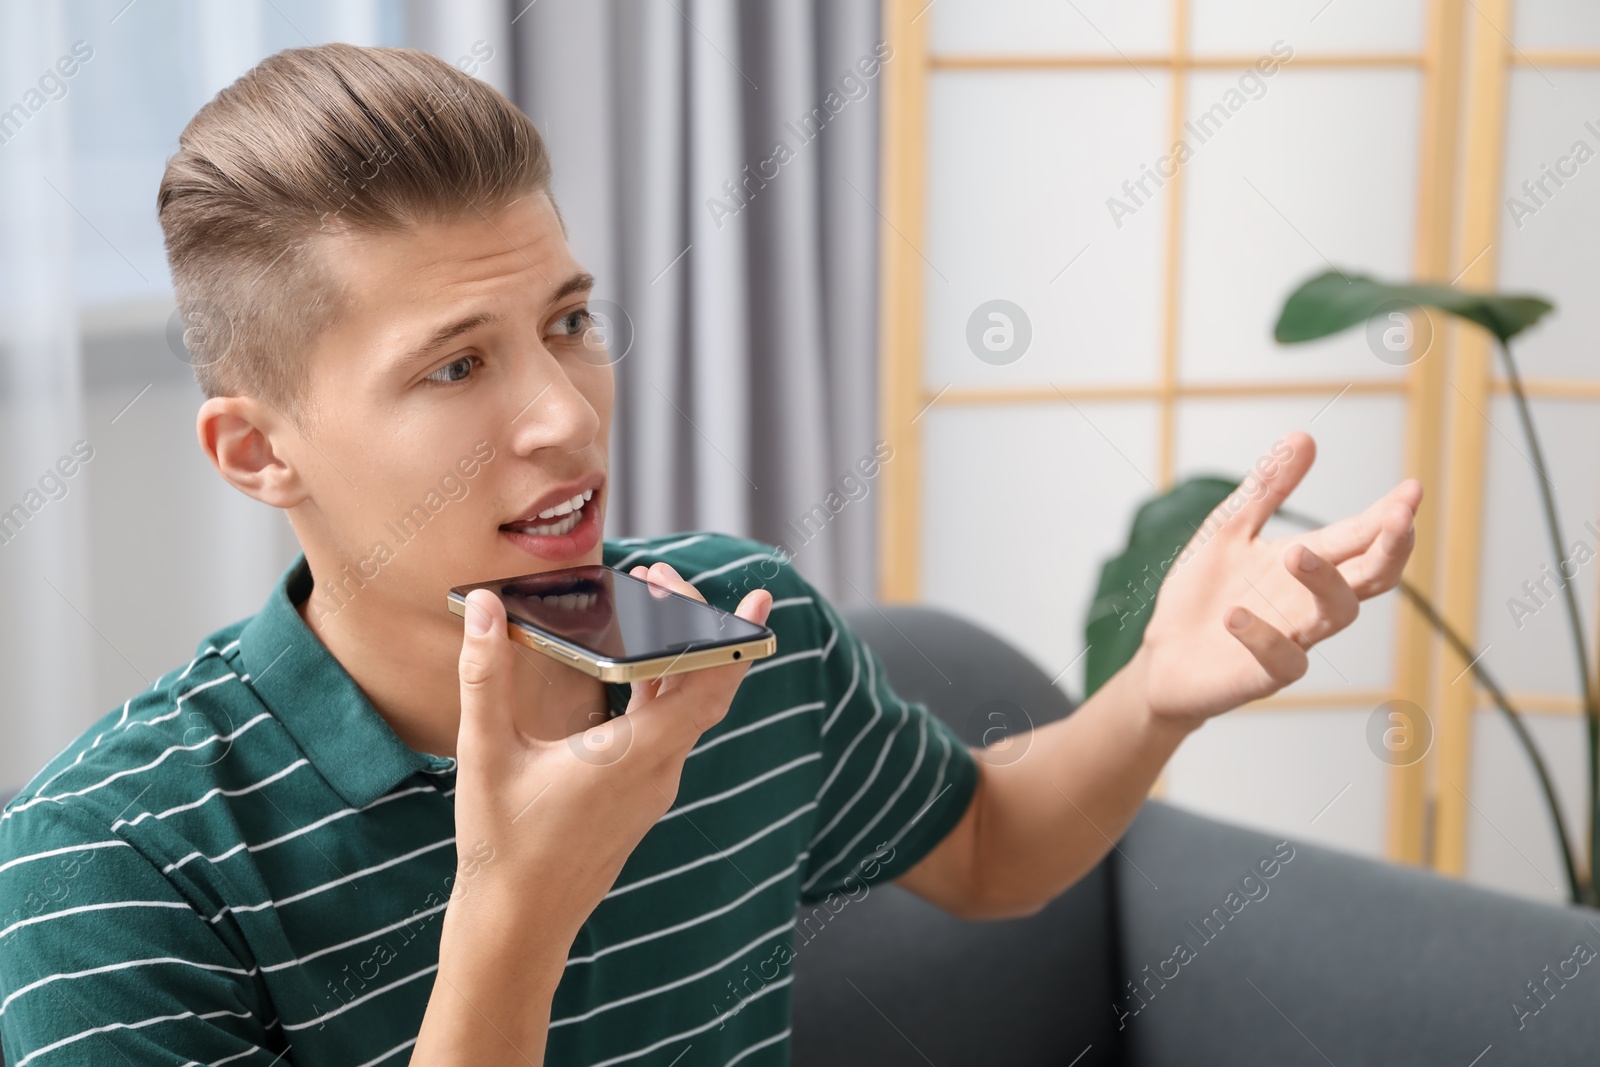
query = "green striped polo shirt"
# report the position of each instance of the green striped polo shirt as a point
(243, 864)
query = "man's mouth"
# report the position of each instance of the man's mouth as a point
(571, 601)
(555, 521)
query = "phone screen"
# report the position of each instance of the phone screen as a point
(617, 616)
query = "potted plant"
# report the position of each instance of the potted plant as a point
(1322, 306)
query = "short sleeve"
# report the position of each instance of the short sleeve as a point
(102, 960)
(896, 778)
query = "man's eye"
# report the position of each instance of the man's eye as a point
(454, 371)
(574, 323)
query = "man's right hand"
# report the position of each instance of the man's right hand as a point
(543, 827)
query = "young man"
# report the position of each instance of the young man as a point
(251, 862)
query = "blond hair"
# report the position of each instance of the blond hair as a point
(310, 144)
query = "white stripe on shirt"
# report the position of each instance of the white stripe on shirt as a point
(177, 708)
(767, 721)
(31, 801)
(659, 550)
(309, 956)
(20, 860)
(49, 916)
(778, 661)
(212, 794)
(664, 931)
(712, 857)
(676, 982)
(125, 1026)
(779, 1036)
(306, 829)
(225, 1059)
(325, 886)
(122, 723)
(347, 1005)
(123, 966)
(877, 713)
(886, 807)
(702, 1028)
(877, 766)
(933, 793)
(726, 567)
(725, 794)
(855, 678)
(380, 1057)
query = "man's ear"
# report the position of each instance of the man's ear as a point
(250, 445)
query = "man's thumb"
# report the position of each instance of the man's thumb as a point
(486, 664)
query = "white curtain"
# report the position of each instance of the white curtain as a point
(43, 524)
(111, 575)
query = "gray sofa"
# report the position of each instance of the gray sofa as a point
(1335, 959)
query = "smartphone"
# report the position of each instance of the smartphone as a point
(619, 628)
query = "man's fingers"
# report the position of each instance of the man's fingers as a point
(1282, 659)
(696, 700)
(1378, 569)
(485, 668)
(1354, 534)
(1336, 603)
(1265, 491)
(642, 573)
(665, 574)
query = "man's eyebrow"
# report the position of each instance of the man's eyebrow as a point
(581, 282)
(447, 333)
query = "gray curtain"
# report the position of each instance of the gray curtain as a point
(748, 272)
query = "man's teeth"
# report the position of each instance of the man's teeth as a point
(571, 601)
(571, 510)
(567, 505)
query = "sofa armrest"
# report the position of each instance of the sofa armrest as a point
(1337, 958)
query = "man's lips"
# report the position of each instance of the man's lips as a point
(555, 498)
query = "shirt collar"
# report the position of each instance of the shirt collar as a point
(322, 707)
(317, 701)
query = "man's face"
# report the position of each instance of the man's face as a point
(464, 391)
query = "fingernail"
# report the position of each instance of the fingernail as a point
(1238, 619)
(477, 615)
(1308, 562)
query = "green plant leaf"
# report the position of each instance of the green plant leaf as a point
(1128, 582)
(1335, 301)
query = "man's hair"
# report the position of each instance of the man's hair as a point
(311, 144)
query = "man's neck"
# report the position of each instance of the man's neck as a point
(406, 665)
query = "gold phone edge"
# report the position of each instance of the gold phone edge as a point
(752, 650)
